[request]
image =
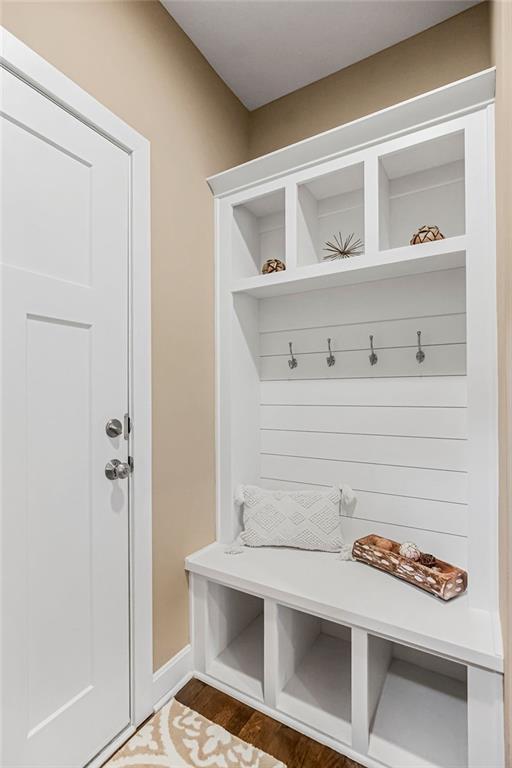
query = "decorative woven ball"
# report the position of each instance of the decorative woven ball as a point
(273, 265)
(409, 550)
(428, 560)
(426, 234)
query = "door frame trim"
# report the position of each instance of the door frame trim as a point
(19, 59)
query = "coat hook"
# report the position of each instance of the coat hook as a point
(372, 357)
(330, 359)
(420, 355)
(293, 362)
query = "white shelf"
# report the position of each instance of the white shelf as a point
(425, 180)
(358, 595)
(240, 664)
(421, 719)
(319, 691)
(396, 262)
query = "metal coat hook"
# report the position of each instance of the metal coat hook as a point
(420, 355)
(293, 361)
(330, 359)
(372, 357)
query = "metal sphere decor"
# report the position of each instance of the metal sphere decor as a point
(273, 265)
(426, 234)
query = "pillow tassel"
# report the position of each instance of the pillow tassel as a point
(345, 553)
(234, 549)
(239, 495)
(348, 496)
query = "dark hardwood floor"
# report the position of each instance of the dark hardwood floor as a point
(294, 749)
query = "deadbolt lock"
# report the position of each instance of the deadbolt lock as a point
(114, 428)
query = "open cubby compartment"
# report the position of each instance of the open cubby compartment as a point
(314, 672)
(417, 707)
(423, 184)
(258, 233)
(328, 205)
(235, 639)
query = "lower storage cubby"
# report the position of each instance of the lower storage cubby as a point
(235, 639)
(314, 671)
(417, 707)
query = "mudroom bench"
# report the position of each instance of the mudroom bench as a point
(354, 658)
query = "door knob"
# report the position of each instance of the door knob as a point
(117, 470)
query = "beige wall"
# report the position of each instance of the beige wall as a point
(501, 35)
(451, 50)
(134, 59)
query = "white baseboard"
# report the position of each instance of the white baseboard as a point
(111, 748)
(172, 676)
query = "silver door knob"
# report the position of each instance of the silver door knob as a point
(123, 470)
(117, 470)
(113, 428)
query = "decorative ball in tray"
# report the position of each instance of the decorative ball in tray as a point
(423, 570)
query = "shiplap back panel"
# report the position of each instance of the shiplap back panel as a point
(396, 431)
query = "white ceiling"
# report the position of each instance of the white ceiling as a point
(263, 49)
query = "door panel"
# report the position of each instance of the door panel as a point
(64, 312)
(58, 366)
(53, 187)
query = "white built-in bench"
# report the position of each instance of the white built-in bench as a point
(356, 594)
(341, 651)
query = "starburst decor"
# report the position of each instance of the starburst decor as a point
(343, 248)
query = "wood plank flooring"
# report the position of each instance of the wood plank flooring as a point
(294, 749)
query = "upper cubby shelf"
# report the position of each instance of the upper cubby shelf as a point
(326, 206)
(258, 233)
(422, 184)
(381, 197)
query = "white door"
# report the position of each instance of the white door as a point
(64, 312)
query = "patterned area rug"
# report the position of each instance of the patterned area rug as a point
(177, 736)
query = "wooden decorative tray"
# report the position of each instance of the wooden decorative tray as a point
(442, 579)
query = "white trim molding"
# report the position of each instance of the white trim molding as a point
(19, 59)
(428, 109)
(111, 748)
(172, 676)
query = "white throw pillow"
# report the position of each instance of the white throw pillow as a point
(301, 519)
